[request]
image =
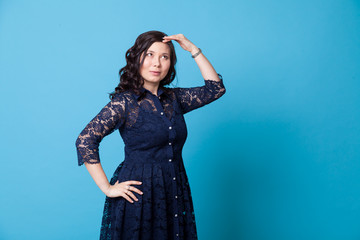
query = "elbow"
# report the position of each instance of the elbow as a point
(86, 144)
(77, 142)
(87, 151)
(217, 87)
(221, 91)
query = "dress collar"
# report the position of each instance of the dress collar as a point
(142, 90)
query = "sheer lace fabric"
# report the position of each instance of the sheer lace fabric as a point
(154, 132)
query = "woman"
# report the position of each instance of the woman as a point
(148, 196)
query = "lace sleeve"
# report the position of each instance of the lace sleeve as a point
(110, 118)
(195, 97)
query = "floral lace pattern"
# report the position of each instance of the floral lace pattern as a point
(154, 131)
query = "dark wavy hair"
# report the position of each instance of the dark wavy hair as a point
(130, 78)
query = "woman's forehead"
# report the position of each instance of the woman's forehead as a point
(159, 47)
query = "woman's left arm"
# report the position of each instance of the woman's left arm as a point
(195, 97)
(206, 69)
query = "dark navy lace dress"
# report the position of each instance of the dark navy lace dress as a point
(154, 132)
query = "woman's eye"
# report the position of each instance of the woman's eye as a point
(166, 57)
(149, 54)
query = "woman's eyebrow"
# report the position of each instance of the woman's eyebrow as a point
(162, 53)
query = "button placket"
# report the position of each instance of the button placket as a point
(172, 136)
(175, 192)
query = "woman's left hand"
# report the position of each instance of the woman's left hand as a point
(183, 42)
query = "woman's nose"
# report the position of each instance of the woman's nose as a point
(156, 61)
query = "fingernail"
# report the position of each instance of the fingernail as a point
(141, 193)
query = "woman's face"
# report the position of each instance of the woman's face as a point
(156, 63)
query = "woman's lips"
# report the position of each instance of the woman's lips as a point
(155, 73)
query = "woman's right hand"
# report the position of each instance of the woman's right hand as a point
(124, 189)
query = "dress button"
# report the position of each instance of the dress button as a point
(170, 127)
(175, 215)
(174, 178)
(162, 113)
(170, 160)
(169, 143)
(177, 234)
(175, 196)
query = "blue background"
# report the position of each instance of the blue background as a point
(277, 157)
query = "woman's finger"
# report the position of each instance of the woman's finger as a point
(133, 182)
(170, 37)
(168, 40)
(181, 39)
(129, 193)
(134, 189)
(124, 195)
(174, 37)
(180, 35)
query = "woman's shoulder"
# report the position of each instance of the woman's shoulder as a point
(120, 96)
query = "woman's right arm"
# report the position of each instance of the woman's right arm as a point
(110, 118)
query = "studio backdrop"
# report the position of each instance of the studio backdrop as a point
(276, 158)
